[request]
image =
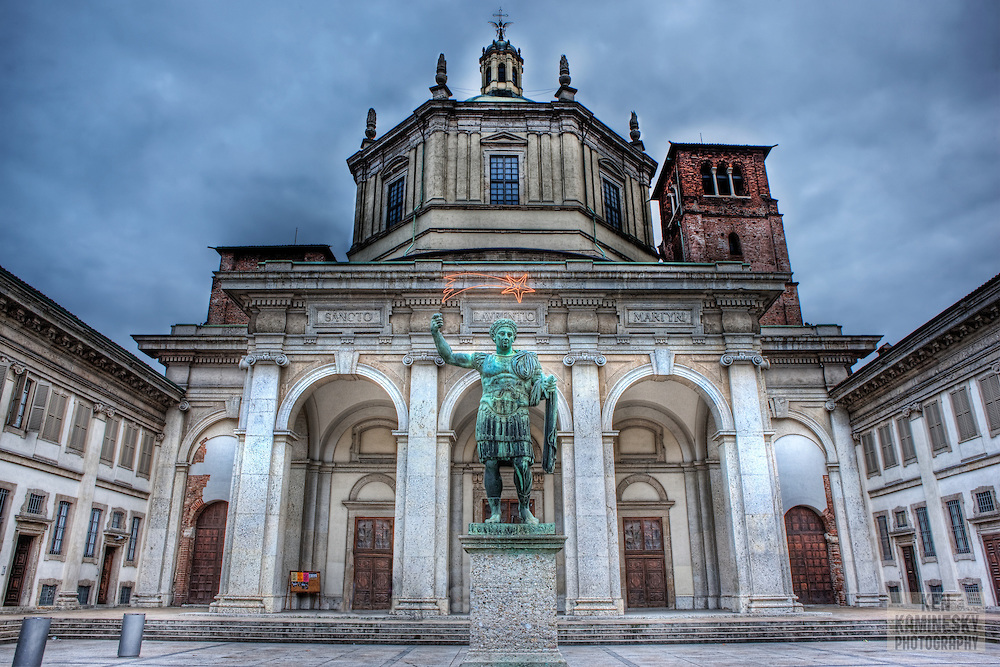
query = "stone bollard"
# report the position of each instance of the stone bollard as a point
(31, 642)
(131, 640)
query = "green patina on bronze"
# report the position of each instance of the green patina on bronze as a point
(512, 382)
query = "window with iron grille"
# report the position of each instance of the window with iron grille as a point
(906, 440)
(894, 594)
(59, 531)
(83, 595)
(110, 440)
(887, 446)
(989, 387)
(937, 594)
(93, 530)
(882, 521)
(958, 527)
(47, 597)
(117, 520)
(125, 595)
(133, 539)
(900, 516)
(926, 537)
(19, 401)
(35, 504)
(145, 455)
(939, 439)
(504, 187)
(127, 457)
(964, 418)
(81, 423)
(612, 203)
(972, 594)
(985, 503)
(871, 458)
(4, 494)
(394, 203)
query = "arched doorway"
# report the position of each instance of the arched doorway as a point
(808, 556)
(206, 560)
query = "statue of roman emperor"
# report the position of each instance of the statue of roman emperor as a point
(512, 382)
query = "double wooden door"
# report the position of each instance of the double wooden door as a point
(991, 545)
(106, 569)
(372, 563)
(206, 561)
(911, 574)
(808, 556)
(18, 569)
(645, 566)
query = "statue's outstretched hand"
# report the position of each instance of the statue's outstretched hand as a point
(437, 321)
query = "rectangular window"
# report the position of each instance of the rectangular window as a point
(4, 494)
(37, 414)
(939, 439)
(937, 593)
(125, 595)
(145, 455)
(36, 504)
(963, 414)
(19, 400)
(887, 446)
(894, 594)
(985, 502)
(504, 187)
(117, 520)
(81, 422)
(958, 527)
(47, 597)
(926, 537)
(882, 521)
(906, 440)
(93, 530)
(128, 446)
(871, 458)
(59, 532)
(989, 387)
(394, 205)
(110, 440)
(972, 594)
(133, 539)
(83, 595)
(54, 419)
(612, 203)
(900, 516)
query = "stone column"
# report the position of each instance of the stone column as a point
(762, 569)
(416, 589)
(253, 541)
(74, 539)
(159, 544)
(596, 561)
(856, 545)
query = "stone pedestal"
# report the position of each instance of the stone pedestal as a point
(512, 620)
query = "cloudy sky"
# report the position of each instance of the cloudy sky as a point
(134, 135)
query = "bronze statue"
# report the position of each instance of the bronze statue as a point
(512, 381)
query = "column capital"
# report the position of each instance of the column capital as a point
(744, 356)
(105, 409)
(590, 357)
(278, 358)
(422, 357)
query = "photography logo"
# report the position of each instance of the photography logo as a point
(917, 629)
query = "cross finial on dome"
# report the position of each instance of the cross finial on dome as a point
(500, 24)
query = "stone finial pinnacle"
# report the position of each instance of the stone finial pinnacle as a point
(370, 125)
(564, 78)
(441, 78)
(634, 134)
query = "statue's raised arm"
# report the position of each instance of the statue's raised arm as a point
(449, 356)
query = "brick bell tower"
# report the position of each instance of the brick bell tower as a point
(716, 205)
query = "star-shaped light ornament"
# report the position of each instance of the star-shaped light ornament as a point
(516, 285)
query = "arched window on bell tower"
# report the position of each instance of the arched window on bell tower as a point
(735, 247)
(739, 184)
(707, 179)
(722, 180)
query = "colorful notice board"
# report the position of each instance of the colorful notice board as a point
(303, 582)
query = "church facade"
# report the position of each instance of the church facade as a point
(701, 465)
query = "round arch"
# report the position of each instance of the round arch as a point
(189, 445)
(818, 431)
(644, 479)
(370, 479)
(446, 413)
(300, 389)
(704, 387)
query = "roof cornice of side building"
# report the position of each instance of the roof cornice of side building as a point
(949, 328)
(31, 309)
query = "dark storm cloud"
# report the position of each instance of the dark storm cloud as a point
(134, 135)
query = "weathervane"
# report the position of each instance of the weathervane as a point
(499, 24)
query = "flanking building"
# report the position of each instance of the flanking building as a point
(82, 423)
(926, 417)
(702, 463)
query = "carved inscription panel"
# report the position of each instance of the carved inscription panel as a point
(341, 318)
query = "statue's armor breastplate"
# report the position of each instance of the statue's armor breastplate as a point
(502, 425)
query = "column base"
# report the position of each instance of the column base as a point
(150, 600)
(595, 607)
(66, 600)
(238, 605)
(418, 608)
(868, 600)
(772, 604)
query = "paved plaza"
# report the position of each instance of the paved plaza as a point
(92, 653)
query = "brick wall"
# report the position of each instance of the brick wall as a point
(833, 546)
(193, 503)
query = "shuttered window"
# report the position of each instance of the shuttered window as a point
(37, 415)
(19, 401)
(888, 447)
(54, 418)
(128, 447)
(906, 440)
(939, 439)
(145, 455)
(110, 440)
(963, 414)
(81, 423)
(871, 458)
(989, 386)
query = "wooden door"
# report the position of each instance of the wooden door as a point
(18, 568)
(509, 510)
(645, 567)
(206, 561)
(372, 563)
(911, 574)
(808, 556)
(991, 545)
(106, 569)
